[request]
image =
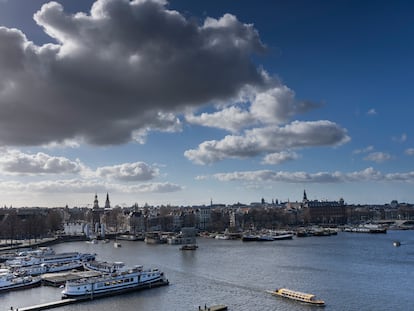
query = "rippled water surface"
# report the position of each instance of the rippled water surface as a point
(349, 271)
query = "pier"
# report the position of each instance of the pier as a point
(213, 308)
(48, 305)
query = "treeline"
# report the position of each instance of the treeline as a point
(18, 225)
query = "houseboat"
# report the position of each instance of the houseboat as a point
(115, 283)
(9, 281)
(298, 296)
(105, 267)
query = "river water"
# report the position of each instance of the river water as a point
(350, 271)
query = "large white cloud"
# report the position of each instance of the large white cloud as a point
(138, 171)
(112, 74)
(123, 178)
(268, 140)
(275, 105)
(15, 162)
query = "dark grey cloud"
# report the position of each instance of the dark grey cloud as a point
(116, 69)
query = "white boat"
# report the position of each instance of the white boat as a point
(114, 283)
(298, 296)
(286, 236)
(9, 281)
(222, 237)
(68, 257)
(103, 266)
(25, 261)
(47, 268)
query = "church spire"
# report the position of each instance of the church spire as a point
(305, 197)
(107, 203)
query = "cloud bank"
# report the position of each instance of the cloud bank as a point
(132, 177)
(369, 174)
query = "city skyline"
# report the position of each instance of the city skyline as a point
(183, 102)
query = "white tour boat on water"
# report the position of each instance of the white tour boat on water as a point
(9, 281)
(114, 283)
(298, 296)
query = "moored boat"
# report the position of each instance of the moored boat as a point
(189, 247)
(24, 261)
(47, 268)
(286, 236)
(298, 296)
(9, 281)
(103, 266)
(114, 283)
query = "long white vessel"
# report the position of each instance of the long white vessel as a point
(47, 268)
(114, 283)
(8, 281)
(105, 267)
(24, 261)
(298, 296)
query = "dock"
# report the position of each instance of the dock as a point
(213, 308)
(48, 305)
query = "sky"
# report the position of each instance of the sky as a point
(192, 102)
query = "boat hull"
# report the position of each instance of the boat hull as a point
(24, 285)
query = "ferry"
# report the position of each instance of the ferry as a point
(115, 283)
(9, 281)
(298, 296)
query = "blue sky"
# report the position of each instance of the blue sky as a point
(190, 101)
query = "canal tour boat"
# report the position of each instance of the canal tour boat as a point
(105, 267)
(114, 283)
(47, 268)
(9, 281)
(24, 261)
(298, 296)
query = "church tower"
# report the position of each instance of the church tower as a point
(95, 202)
(107, 203)
(305, 197)
(96, 215)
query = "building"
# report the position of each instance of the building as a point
(324, 212)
